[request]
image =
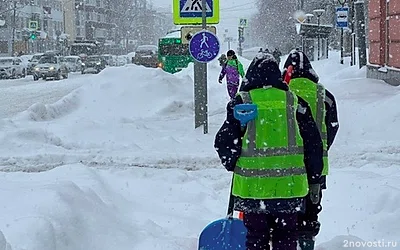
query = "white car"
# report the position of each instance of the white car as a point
(74, 63)
(11, 67)
(50, 67)
(33, 62)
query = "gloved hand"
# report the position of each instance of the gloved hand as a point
(314, 190)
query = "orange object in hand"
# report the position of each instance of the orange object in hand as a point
(288, 75)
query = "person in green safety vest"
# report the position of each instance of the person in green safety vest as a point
(305, 83)
(276, 158)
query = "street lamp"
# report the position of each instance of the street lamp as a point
(319, 13)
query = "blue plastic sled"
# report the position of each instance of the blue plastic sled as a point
(229, 233)
(245, 113)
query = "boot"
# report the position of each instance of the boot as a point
(306, 244)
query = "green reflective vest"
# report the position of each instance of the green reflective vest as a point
(271, 164)
(314, 94)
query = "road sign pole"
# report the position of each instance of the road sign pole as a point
(204, 71)
(341, 25)
(200, 84)
(341, 41)
(341, 46)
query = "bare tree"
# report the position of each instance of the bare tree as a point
(273, 25)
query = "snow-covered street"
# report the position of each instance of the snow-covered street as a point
(18, 95)
(112, 161)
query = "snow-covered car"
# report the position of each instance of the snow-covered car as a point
(146, 55)
(50, 67)
(74, 63)
(33, 62)
(93, 64)
(109, 60)
(11, 67)
(121, 61)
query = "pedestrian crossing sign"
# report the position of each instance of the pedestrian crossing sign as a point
(243, 22)
(187, 12)
(33, 25)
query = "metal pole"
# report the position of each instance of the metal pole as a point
(353, 49)
(200, 84)
(341, 46)
(204, 65)
(351, 17)
(319, 46)
(341, 42)
(204, 71)
(360, 21)
(240, 30)
(13, 27)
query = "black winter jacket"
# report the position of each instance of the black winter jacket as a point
(262, 72)
(302, 68)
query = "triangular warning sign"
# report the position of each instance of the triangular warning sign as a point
(194, 6)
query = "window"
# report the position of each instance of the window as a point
(174, 49)
(98, 3)
(98, 18)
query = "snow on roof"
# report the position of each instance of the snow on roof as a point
(173, 34)
(147, 47)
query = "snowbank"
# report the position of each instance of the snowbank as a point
(127, 116)
(75, 207)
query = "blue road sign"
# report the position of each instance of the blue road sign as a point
(342, 14)
(204, 46)
(193, 8)
(241, 39)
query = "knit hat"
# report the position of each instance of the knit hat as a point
(230, 53)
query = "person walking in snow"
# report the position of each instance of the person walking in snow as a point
(305, 83)
(233, 70)
(274, 158)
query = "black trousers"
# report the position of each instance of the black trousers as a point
(308, 224)
(280, 229)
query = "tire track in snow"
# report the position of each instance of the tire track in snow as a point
(33, 165)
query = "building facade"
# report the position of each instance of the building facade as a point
(46, 16)
(384, 41)
(69, 19)
(94, 20)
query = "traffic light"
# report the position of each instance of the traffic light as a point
(33, 36)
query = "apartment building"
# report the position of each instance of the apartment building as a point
(69, 19)
(94, 20)
(384, 41)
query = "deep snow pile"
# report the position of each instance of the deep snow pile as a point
(131, 118)
(124, 116)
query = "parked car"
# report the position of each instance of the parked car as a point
(50, 67)
(121, 60)
(146, 55)
(109, 60)
(11, 67)
(93, 64)
(33, 62)
(74, 63)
